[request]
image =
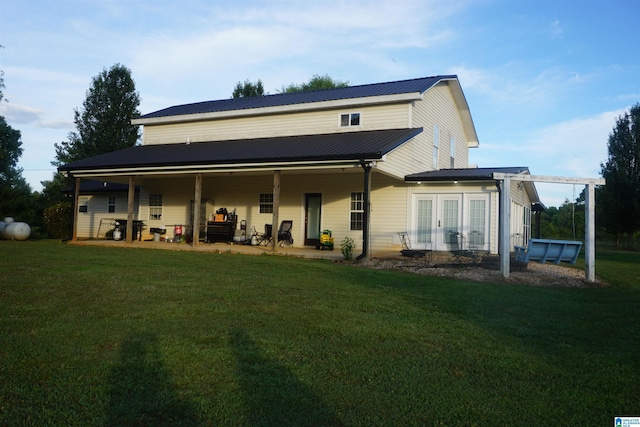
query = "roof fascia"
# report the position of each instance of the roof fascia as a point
(310, 106)
(244, 167)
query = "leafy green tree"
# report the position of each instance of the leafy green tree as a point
(248, 89)
(104, 124)
(317, 82)
(15, 193)
(619, 200)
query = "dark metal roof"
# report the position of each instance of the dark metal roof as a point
(94, 186)
(419, 85)
(326, 147)
(468, 174)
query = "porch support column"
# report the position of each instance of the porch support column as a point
(590, 235)
(195, 228)
(74, 213)
(505, 221)
(366, 194)
(276, 209)
(130, 201)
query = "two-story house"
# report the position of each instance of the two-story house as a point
(364, 161)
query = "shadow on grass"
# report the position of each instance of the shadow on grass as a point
(140, 388)
(273, 394)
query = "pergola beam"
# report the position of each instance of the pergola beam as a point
(505, 208)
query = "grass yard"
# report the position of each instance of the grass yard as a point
(119, 336)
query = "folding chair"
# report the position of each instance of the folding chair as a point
(265, 238)
(284, 233)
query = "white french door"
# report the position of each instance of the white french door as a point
(434, 217)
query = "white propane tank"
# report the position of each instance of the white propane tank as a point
(17, 231)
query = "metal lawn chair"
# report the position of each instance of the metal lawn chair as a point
(408, 251)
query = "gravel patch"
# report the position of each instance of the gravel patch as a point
(487, 270)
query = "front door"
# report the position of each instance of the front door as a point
(312, 211)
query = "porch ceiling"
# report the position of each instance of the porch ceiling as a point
(294, 152)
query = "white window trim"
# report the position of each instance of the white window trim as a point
(359, 113)
(352, 211)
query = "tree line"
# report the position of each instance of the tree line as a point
(103, 124)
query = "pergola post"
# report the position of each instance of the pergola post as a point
(505, 225)
(590, 234)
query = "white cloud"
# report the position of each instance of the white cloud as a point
(573, 148)
(20, 114)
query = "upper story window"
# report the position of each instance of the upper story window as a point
(452, 151)
(436, 145)
(351, 119)
(111, 207)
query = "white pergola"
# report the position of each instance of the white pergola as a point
(590, 227)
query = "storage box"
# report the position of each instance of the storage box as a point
(219, 218)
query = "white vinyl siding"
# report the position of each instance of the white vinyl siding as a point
(392, 116)
(97, 219)
(437, 107)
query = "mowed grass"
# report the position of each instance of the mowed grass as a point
(119, 336)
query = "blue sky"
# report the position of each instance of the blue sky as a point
(545, 80)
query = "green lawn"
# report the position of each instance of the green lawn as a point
(119, 336)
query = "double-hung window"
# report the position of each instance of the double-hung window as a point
(111, 206)
(155, 207)
(356, 211)
(266, 202)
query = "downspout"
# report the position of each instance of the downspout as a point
(365, 215)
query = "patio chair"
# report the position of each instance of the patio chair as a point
(284, 233)
(455, 245)
(408, 251)
(265, 238)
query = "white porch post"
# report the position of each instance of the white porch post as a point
(590, 233)
(505, 221)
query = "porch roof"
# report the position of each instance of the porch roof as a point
(475, 174)
(465, 174)
(325, 149)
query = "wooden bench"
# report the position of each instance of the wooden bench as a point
(543, 250)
